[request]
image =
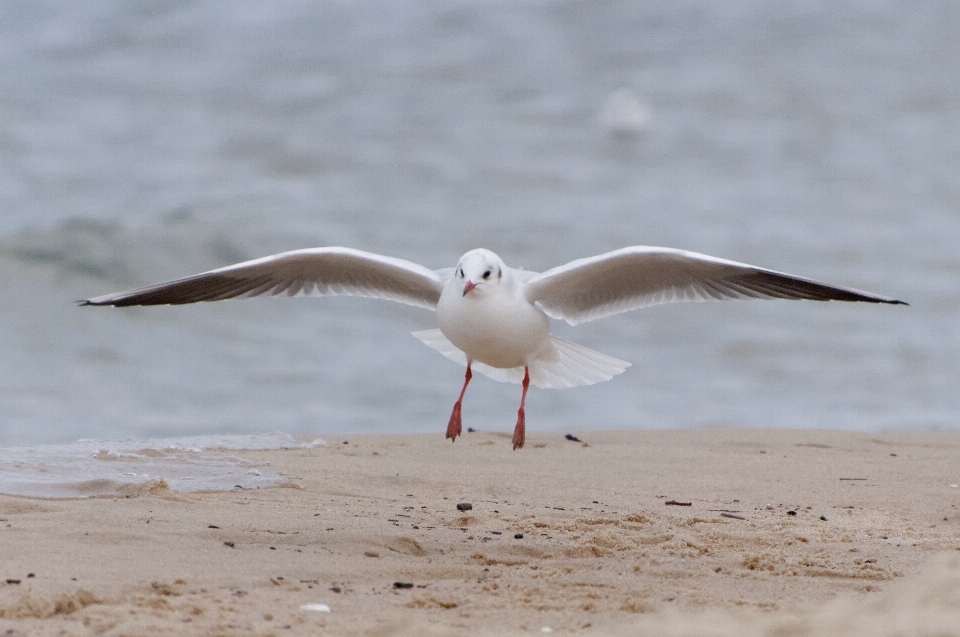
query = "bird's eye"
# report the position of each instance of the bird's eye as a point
(486, 274)
(461, 273)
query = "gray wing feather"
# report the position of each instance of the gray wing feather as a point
(311, 272)
(635, 277)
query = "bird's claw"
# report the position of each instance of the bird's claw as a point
(455, 426)
(519, 433)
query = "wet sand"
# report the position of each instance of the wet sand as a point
(718, 532)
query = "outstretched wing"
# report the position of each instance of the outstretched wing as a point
(635, 277)
(315, 271)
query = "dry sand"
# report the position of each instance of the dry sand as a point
(825, 533)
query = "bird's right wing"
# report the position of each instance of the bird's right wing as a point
(635, 277)
(315, 271)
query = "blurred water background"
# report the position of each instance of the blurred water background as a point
(142, 140)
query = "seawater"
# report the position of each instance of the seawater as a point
(142, 141)
(100, 468)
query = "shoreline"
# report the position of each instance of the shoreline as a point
(769, 525)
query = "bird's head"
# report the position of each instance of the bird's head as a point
(479, 271)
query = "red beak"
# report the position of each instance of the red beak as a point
(469, 286)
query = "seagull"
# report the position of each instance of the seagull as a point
(496, 319)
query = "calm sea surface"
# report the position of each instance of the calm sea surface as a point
(146, 140)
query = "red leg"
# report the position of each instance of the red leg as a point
(519, 433)
(455, 426)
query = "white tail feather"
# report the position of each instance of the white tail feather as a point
(561, 364)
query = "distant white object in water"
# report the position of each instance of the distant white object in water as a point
(494, 318)
(625, 114)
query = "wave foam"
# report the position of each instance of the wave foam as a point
(89, 468)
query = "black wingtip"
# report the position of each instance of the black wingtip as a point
(898, 302)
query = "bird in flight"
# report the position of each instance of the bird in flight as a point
(493, 318)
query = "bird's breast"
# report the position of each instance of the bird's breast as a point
(500, 331)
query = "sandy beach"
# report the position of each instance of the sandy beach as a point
(716, 532)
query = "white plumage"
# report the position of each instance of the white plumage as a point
(493, 318)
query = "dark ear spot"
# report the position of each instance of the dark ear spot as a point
(499, 274)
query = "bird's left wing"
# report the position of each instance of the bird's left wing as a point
(638, 276)
(315, 271)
